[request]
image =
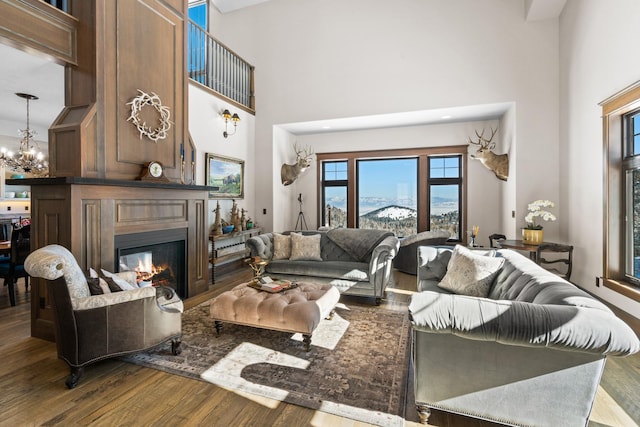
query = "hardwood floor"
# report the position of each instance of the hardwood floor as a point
(118, 393)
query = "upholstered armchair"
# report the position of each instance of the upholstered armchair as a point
(406, 260)
(90, 327)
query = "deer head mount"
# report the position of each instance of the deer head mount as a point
(289, 173)
(497, 163)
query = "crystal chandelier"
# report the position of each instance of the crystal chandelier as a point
(29, 158)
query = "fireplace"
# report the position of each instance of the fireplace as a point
(158, 257)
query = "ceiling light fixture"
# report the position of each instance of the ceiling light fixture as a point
(235, 119)
(29, 158)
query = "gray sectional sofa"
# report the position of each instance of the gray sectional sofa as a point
(531, 352)
(357, 262)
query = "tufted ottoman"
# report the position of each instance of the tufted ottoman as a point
(295, 310)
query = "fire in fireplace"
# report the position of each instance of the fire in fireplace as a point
(157, 257)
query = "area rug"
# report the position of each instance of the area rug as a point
(357, 367)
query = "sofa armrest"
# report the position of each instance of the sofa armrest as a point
(432, 262)
(565, 327)
(261, 245)
(104, 300)
(381, 263)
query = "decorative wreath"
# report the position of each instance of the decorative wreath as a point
(153, 100)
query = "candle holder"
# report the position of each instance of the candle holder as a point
(193, 172)
(182, 180)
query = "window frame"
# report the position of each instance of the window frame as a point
(616, 146)
(330, 183)
(447, 181)
(422, 154)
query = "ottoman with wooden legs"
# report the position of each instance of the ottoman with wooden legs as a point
(296, 310)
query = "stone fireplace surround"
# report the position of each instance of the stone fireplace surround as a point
(86, 214)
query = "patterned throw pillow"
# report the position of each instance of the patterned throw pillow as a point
(281, 246)
(305, 247)
(469, 273)
(126, 280)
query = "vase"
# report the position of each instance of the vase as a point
(532, 237)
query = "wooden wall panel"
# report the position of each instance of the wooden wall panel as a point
(33, 25)
(150, 58)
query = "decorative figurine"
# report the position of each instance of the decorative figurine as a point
(217, 223)
(243, 219)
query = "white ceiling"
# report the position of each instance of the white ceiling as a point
(23, 72)
(534, 9)
(468, 113)
(36, 75)
(225, 6)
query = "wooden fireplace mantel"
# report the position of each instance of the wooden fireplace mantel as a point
(86, 214)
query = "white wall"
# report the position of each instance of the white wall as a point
(206, 126)
(483, 187)
(336, 59)
(598, 59)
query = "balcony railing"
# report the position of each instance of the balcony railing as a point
(212, 64)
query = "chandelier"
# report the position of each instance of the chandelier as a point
(29, 158)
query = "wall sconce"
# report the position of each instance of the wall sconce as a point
(235, 119)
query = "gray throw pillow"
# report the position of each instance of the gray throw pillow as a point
(469, 273)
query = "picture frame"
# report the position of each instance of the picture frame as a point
(224, 176)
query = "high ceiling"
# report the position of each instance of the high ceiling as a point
(27, 73)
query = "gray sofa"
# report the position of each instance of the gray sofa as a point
(531, 353)
(357, 262)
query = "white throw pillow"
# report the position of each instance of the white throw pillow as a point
(469, 273)
(305, 247)
(126, 280)
(281, 246)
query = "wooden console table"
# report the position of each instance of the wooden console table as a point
(228, 250)
(519, 245)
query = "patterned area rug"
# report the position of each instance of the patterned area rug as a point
(357, 367)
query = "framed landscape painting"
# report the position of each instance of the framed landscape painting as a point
(225, 176)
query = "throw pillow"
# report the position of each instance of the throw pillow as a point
(94, 284)
(305, 247)
(113, 287)
(469, 273)
(281, 246)
(126, 280)
(103, 285)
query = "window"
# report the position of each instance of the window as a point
(387, 195)
(631, 167)
(445, 194)
(403, 191)
(198, 12)
(196, 40)
(334, 194)
(621, 260)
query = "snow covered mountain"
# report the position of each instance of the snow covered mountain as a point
(393, 212)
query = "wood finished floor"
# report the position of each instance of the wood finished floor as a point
(118, 393)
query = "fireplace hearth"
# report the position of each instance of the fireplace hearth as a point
(158, 258)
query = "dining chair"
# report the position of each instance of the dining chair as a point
(13, 268)
(556, 258)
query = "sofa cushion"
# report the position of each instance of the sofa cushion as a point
(334, 269)
(305, 247)
(469, 273)
(281, 246)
